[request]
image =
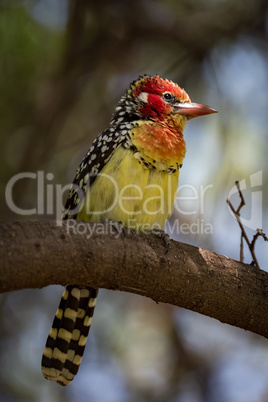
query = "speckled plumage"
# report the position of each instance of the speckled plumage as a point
(138, 159)
(126, 120)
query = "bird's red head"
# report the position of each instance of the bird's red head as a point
(161, 109)
(159, 98)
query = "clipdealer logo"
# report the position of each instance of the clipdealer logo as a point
(190, 201)
(45, 194)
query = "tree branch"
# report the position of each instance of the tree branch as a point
(37, 254)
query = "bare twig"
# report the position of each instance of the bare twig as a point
(243, 234)
(242, 202)
(241, 248)
(259, 232)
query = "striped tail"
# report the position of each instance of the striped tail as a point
(67, 338)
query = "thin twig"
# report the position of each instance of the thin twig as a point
(258, 233)
(241, 248)
(242, 202)
(243, 232)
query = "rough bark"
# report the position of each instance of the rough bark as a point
(37, 254)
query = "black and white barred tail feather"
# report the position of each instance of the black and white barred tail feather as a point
(67, 338)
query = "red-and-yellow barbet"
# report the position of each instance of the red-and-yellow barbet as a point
(138, 158)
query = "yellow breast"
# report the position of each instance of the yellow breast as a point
(128, 192)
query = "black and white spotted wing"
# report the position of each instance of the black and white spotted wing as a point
(96, 158)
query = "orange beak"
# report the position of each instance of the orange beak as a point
(193, 109)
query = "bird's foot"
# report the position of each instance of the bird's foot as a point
(164, 236)
(115, 227)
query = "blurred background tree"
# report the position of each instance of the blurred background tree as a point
(63, 67)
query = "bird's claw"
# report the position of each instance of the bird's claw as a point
(164, 236)
(118, 226)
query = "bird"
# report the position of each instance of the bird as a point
(129, 175)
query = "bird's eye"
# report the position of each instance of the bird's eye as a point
(167, 96)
